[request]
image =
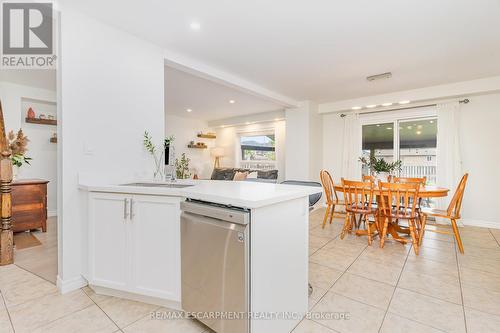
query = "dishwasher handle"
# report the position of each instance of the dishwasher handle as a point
(226, 214)
(187, 217)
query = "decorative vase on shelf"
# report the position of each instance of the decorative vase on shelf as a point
(31, 113)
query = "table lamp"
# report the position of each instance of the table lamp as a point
(217, 153)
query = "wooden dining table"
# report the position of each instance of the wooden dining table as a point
(425, 192)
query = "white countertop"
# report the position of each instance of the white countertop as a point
(235, 193)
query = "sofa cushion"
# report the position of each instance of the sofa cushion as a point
(269, 174)
(240, 175)
(223, 174)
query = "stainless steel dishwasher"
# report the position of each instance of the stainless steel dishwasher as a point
(215, 265)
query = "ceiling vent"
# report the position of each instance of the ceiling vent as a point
(382, 76)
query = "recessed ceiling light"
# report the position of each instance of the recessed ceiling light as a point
(409, 127)
(189, 110)
(419, 132)
(431, 121)
(371, 106)
(378, 125)
(356, 108)
(195, 26)
(389, 128)
(404, 102)
(387, 104)
(232, 101)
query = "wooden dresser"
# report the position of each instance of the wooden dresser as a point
(29, 204)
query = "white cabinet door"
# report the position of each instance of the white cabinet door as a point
(108, 240)
(155, 248)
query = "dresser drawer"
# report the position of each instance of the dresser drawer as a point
(29, 205)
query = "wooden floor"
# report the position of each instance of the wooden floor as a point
(41, 260)
(365, 288)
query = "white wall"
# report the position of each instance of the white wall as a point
(479, 139)
(112, 90)
(297, 144)
(228, 139)
(40, 149)
(333, 143)
(304, 142)
(185, 130)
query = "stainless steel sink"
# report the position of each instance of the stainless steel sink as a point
(157, 185)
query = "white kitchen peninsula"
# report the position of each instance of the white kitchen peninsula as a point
(134, 237)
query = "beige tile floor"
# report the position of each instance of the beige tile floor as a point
(370, 289)
(41, 260)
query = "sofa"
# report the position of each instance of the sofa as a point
(267, 176)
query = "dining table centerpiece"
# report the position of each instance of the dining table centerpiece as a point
(380, 168)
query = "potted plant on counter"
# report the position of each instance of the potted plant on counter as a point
(380, 168)
(182, 167)
(158, 156)
(18, 145)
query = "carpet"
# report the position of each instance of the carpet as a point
(24, 240)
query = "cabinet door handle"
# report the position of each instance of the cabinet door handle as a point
(132, 214)
(125, 208)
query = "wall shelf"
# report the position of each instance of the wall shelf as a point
(207, 136)
(41, 121)
(198, 146)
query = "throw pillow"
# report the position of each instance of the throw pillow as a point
(240, 176)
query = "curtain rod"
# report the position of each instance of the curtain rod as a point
(462, 101)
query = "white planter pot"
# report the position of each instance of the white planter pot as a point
(383, 176)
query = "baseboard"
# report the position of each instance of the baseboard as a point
(481, 223)
(65, 286)
(51, 213)
(136, 297)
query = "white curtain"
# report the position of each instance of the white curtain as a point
(351, 168)
(449, 162)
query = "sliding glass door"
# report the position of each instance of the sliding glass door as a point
(411, 140)
(417, 148)
(378, 141)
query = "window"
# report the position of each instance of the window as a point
(258, 151)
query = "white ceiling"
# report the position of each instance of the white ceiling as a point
(322, 50)
(208, 100)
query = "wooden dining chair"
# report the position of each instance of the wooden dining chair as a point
(452, 213)
(331, 197)
(398, 201)
(358, 199)
(421, 180)
(368, 178)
